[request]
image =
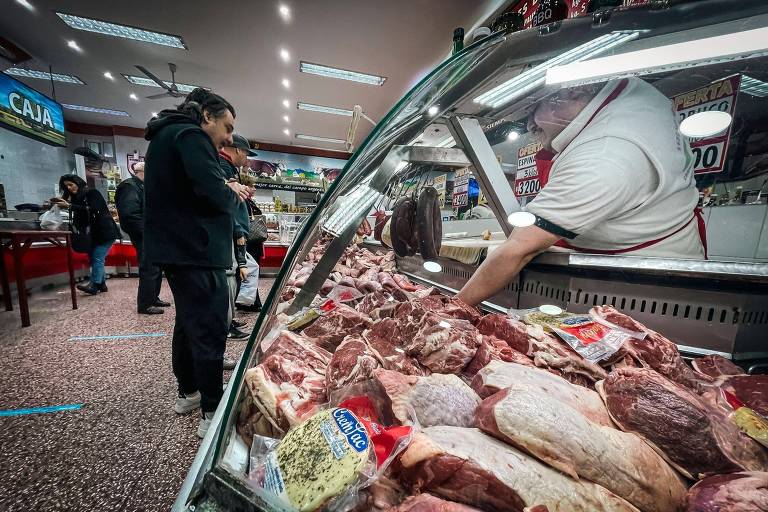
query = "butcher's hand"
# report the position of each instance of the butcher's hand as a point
(241, 191)
(243, 273)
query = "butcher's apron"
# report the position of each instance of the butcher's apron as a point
(545, 159)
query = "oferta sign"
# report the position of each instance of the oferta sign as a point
(26, 111)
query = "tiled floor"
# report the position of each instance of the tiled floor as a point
(125, 449)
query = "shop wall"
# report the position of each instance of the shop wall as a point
(77, 140)
(30, 170)
(124, 146)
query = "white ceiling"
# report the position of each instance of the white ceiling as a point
(233, 48)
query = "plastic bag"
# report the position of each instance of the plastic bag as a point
(249, 288)
(324, 462)
(52, 220)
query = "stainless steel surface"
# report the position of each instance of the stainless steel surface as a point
(486, 169)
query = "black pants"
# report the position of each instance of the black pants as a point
(150, 278)
(202, 306)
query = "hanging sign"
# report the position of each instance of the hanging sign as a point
(461, 188)
(24, 110)
(709, 154)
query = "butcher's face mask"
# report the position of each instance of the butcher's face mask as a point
(549, 117)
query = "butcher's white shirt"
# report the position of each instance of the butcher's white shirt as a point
(627, 178)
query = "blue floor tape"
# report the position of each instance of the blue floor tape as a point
(118, 336)
(40, 410)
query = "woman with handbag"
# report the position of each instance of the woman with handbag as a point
(257, 235)
(93, 229)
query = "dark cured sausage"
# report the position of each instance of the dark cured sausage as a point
(402, 227)
(429, 224)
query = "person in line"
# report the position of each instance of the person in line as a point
(89, 211)
(129, 199)
(231, 159)
(253, 246)
(188, 233)
(616, 178)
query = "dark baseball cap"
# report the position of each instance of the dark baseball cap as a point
(240, 142)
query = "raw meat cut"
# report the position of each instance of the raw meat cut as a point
(328, 330)
(736, 492)
(387, 281)
(545, 350)
(289, 383)
(366, 286)
(697, 439)
(493, 349)
(556, 433)
(750, 389)
(435, 400)
(352, 362)
(444, 345)
(467, 466)
(376, 300)
(498, 375)
(654, 351)
(429, 503)
(404, 283)
(341, 293)
(716, 366)
(450, 306)
(385, 339)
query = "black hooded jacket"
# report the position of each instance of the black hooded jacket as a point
(188, 207)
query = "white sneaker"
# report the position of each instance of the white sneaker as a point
(205, 423)
(187, 403)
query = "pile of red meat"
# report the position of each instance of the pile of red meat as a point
(509, 417)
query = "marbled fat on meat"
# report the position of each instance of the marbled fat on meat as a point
(716, 366)
(697, 439)
(328, 330)
(493, 349)
(353, 361)
(558, 434)
(444, 345)
(467, 466)
(434, 400)
(735, 492)
(750, 389)
(386, 341)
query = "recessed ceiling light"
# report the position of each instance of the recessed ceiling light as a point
(341, 74)
(432, 111)
(142, 80)
(108, 75)
(320, 139)
(513, 135)
(44, 75)
(705, 124)
(26, 4)
(96, 110)
(285, 55)
(326, 110)
(285, 12)
(124, 31)
(133, 97)
(286, 131)
(286, 104)
(73, 44)
(154, 114)
(286, 119)
(286, 83)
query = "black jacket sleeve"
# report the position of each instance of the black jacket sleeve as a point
(240, 256)
(201, 165)
(129, 208)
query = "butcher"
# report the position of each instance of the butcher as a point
(616, 178)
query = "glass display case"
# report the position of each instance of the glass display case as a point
(472, 131)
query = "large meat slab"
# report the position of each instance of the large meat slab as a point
(434, 400)
(470, 467)
(444, 345)
(716, 366)
(386, 341)
(328, 330)
(353, 361)
(697, 439)
(498, 375)
(559, 435)
(736, 492)
(750, 389)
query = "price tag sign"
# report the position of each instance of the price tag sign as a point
(461, 188)
(709, 154)
(439, 183)
(527, 177)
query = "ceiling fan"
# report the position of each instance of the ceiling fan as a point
(171, 91)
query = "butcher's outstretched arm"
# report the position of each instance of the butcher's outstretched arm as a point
(505, 262)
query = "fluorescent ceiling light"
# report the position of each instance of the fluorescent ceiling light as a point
(705, 124)
(701, 52)
(326, 110)
(142, 80)
(535, 77)
(26, 4)
(753, 86)
(124, 31)
(320, 139)
(96, 110)
(341, 74)
(44, 75)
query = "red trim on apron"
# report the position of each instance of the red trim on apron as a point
(545, 160)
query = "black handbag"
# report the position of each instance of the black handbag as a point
(257, 229)
(82, 241)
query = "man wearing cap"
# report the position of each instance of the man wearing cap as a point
(129, 199)
(231, 159)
